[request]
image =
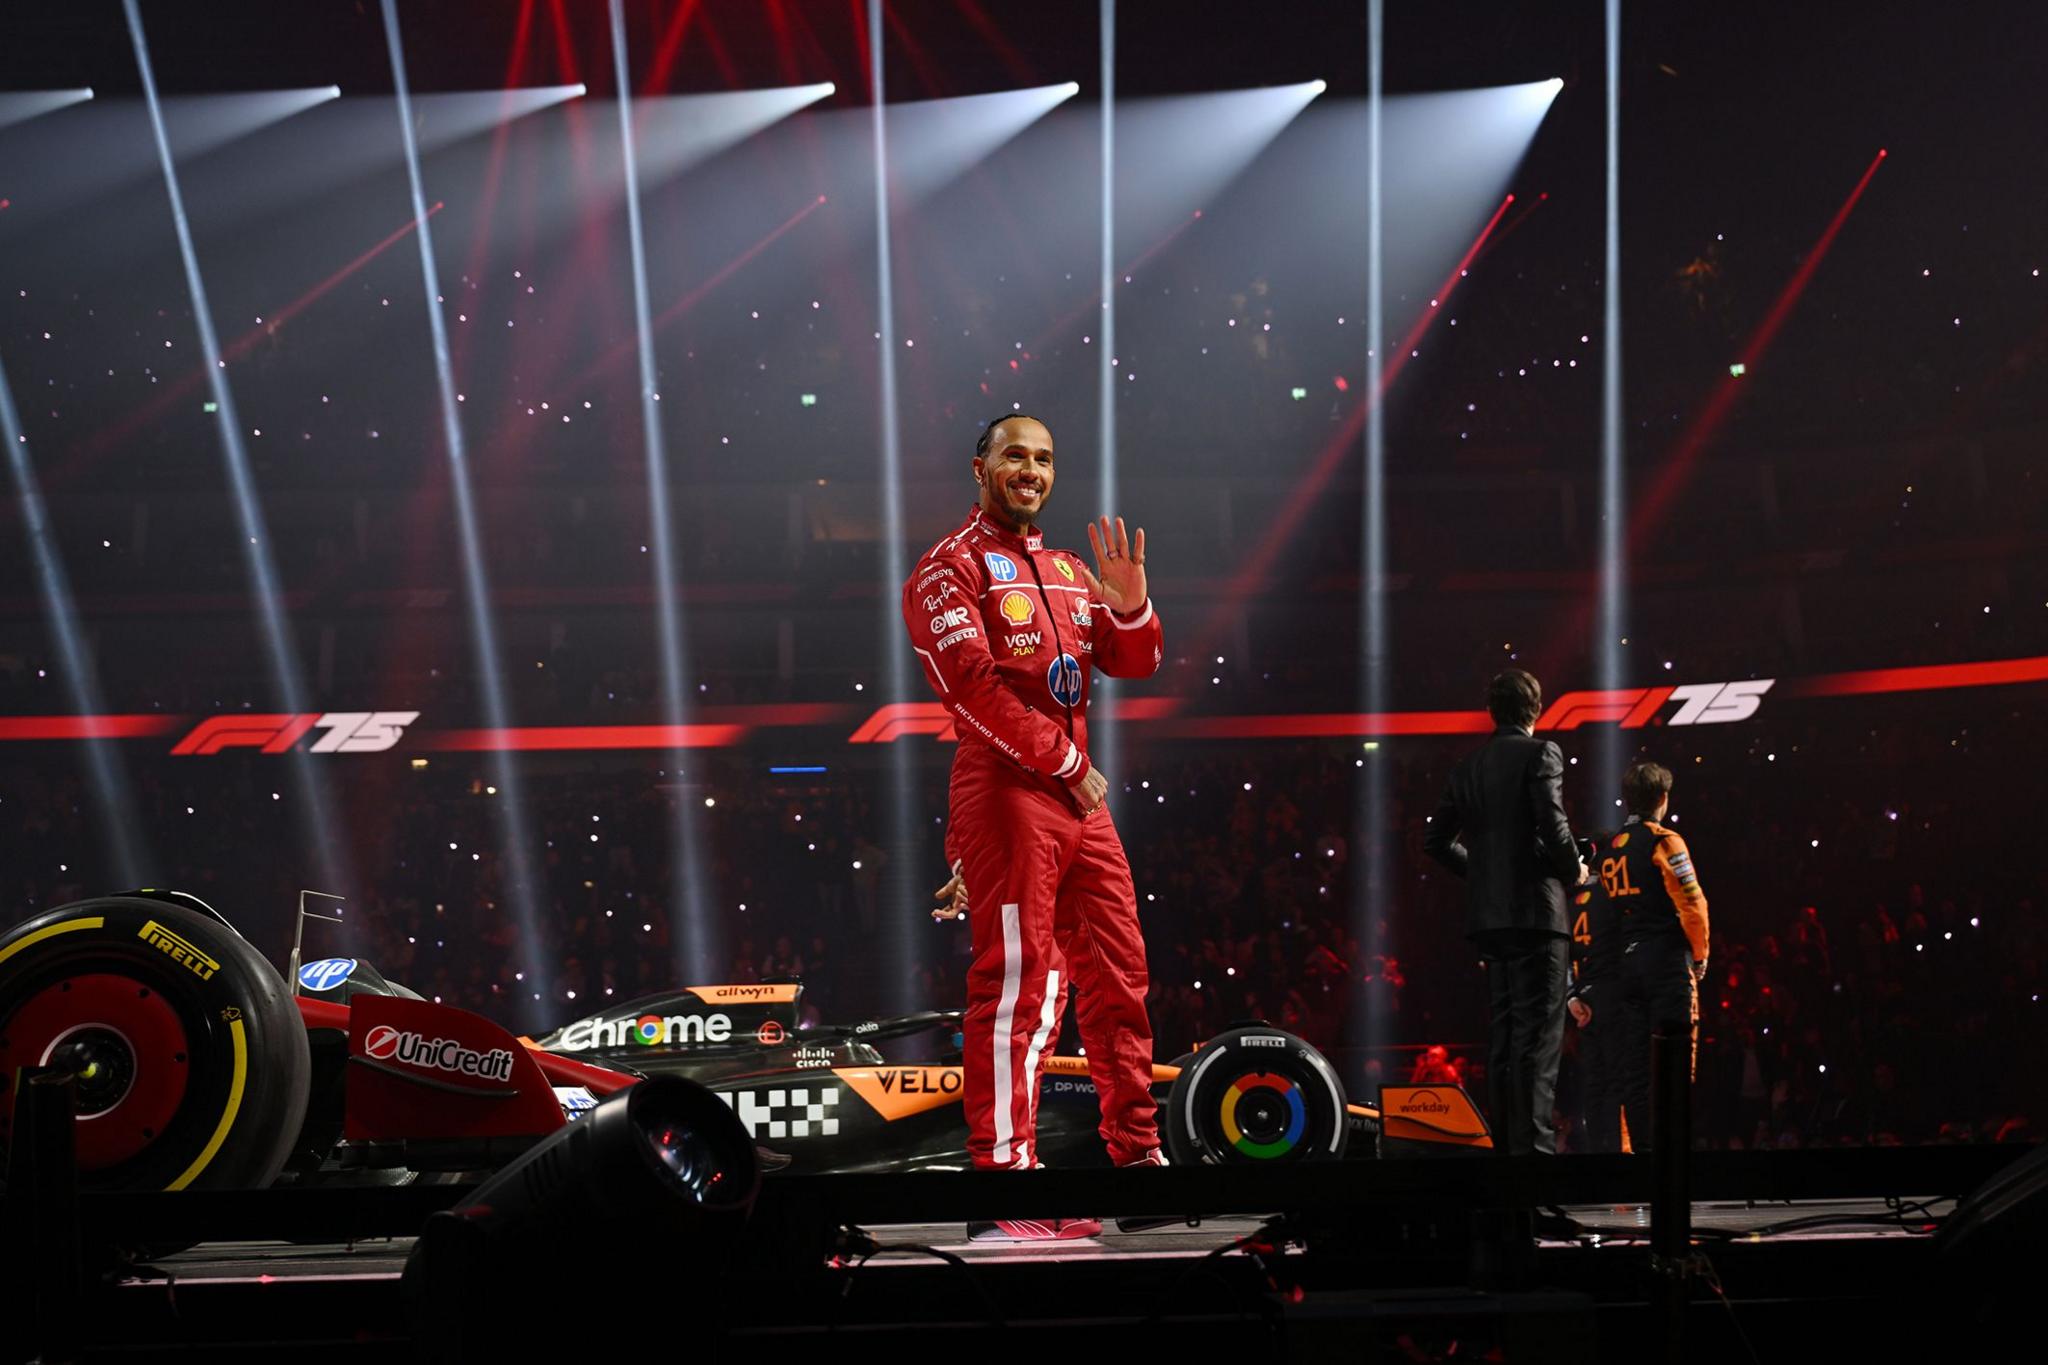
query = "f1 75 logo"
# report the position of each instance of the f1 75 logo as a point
(1634, 707)
(348, 732)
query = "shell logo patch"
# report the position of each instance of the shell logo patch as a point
(1016, 608)
(1066, 569)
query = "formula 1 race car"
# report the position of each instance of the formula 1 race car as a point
(196, 1064)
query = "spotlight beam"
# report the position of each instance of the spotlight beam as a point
(1613, 589)
(1371, 910)
(274, 627)
(116, 807)
(511, 807)
(902, 817)
(701, 946)
(1372, 588)
(1103, 728)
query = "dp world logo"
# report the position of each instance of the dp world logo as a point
(327, 973)
(1063, 680)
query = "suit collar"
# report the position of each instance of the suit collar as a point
(1030, 541)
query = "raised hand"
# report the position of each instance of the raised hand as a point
(1119, 577)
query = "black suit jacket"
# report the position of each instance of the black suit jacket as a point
(1501, 826)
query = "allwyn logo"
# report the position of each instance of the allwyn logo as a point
(773, 991)
(179, 950)
(387, 1044)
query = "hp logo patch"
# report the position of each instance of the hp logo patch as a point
(327, 973)
(1002, 568)
(1063, 680)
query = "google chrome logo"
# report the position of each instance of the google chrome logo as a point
(1263, 1115)
(648, 1029)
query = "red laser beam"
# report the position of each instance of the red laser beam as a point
(1252, 576)
(479, 243)
(1928, 678)
(668, 47)
(147, 726)
(997, 38)
(537, 738)
(181, 388)
(623, 349)
(1650, 512)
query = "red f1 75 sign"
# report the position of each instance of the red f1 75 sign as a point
(347, 732)
(1633, 707)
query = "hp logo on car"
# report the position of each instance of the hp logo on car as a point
(327, 973)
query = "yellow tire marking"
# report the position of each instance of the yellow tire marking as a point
(51, 931)
(227, 1118)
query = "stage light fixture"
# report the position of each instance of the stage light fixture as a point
(1317, 87)
(661, 1173)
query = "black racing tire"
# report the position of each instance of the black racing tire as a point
(1255, 1096)
(206, 1068)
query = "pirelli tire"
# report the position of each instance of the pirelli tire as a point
(199, 1067)
(1256, 1096)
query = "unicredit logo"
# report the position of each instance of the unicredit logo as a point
(387, 1044)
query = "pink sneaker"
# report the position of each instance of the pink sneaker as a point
(1034, 1230)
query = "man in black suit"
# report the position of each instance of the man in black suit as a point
(1501, 826)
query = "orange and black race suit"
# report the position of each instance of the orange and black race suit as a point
(1596, 948)
(1655, 915)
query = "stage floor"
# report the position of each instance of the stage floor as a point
(915, 1244)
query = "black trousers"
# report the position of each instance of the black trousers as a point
(1600, 1085)
(1528, 973)
(1657, 991)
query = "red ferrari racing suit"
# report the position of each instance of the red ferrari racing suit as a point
(1008, 634)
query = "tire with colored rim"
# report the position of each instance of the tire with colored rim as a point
(191, 1059)
(1255, 1096)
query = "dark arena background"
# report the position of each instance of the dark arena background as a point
(464, 458)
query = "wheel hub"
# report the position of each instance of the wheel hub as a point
(128, 1052)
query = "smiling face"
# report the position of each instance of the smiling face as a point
(1016, 473)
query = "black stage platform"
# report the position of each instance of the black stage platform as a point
(1389, 1260)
